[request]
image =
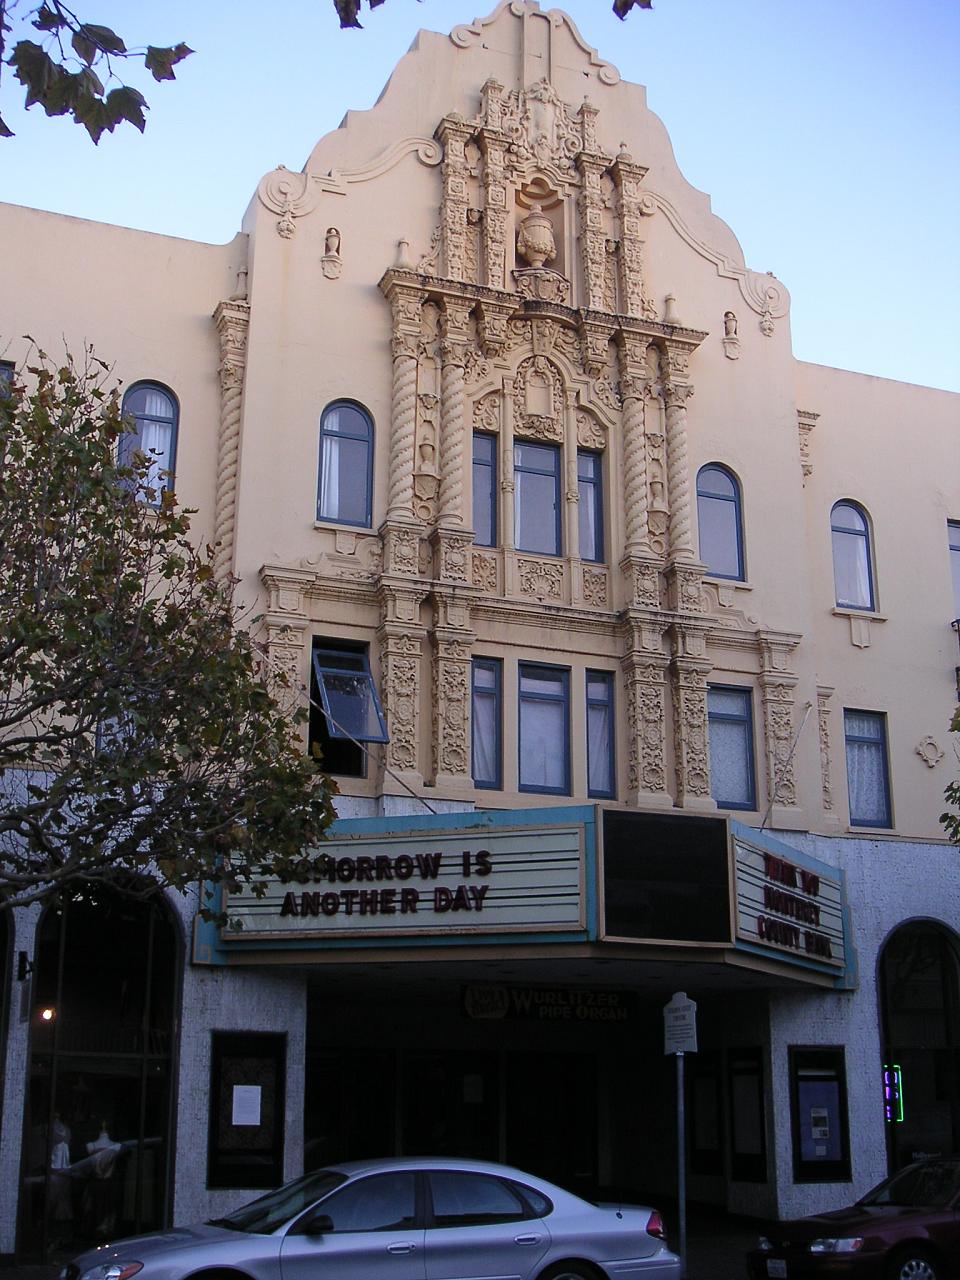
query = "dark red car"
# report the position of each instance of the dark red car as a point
(907, 1228)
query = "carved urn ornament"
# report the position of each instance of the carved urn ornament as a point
(535, 243)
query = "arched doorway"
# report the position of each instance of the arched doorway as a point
(919, 978)
(97, 1120)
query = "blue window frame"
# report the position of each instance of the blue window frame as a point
(953, 533)
(852, 560)
(345, 484)
(590, 490)
(155, 414)
(485, 490)
(601, 764)
(868, 774)
(544, 737)
(733, 781)
(486, 723)
(537, 508)
(720, 521)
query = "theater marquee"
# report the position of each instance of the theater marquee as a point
(499, 880)
(791, 906)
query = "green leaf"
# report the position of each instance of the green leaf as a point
(127, 104)
(85, 48)
(104, 38)
(348, 11)
(160, 62)
(48, 19)
(622, 7)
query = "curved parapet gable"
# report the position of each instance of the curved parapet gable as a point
(473, 33)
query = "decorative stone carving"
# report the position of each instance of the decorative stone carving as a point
(539, 399)
(486, 574)
(451, 693)
(401, 698)
(593, 237)
(778, 707)
(331, 264)
(542, 285)
(590, 434)
(453, 557)
(806, 421)
(486, 412)
(646, 717)
(540, 578)
(824, 694)
(535, 242)
(401, 550)
(643, 582)
(689, 690)
(632, 206)
(731, 342)
(595, 587)
(541, 128)
(929, 751)
(454, 134)
(676, 394)
(685, 588)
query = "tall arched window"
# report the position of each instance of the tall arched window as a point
(852, 561)
(345, 486)
(720, 519)
(156, 415)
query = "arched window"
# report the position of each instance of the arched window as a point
(156, 415)
(345, 486)
(852, 562)
(720, 519)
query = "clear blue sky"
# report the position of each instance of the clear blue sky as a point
(826, 133)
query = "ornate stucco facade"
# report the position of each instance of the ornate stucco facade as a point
(504, 247)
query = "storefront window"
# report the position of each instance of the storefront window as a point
(818, 1097)
(98, 1106)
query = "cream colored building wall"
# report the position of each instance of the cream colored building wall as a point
(894, 449)
(145, 305)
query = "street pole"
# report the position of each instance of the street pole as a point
(681, 1166)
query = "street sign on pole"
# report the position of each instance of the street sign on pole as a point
(680, 1037)
(680, 1024)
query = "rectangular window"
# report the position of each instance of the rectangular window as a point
(818, 1105)
(485, 490)
(590, 490)
(537, 498)
(544, 746)
(247, 1078)
(600, 723)
(486, 719)
(868, 780)
(345, 710)
(732, 774)
(6, 376)
(953, 532)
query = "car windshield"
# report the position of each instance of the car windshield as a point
(277, 1207)
(930, 1185)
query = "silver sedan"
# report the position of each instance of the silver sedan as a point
(402, 1219)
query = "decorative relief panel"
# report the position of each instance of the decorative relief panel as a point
(689, 689)
(541, 128)
(539, 400)
(646, 717)
(486, 412)
(778, 706)
(486, 572)
(590, 434)
(540, 578)
(595, 587)
(451, 691)
(824, 694)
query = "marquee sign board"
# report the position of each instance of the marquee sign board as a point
(427, 883)
(785, 905)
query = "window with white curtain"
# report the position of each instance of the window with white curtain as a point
(732, 771)
(868, 779)
(537, 508)
(590, 506)
(720, 522)
(484, 489)
(486, 720)
(852, 561)
(953, 533)
(544, 746)
(345, 485)
(601, 777)
(155, 416)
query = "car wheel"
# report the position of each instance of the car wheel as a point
(568, 1271)
(913, 1264)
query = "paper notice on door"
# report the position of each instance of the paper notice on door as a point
(246, 1104)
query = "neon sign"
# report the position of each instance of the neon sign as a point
(892, 1093)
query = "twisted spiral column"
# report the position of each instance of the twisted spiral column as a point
(635, 465)
(403, 429)
(232, 319)
(453, 434)
(678, 480)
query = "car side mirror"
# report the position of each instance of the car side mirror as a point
(319, 1225)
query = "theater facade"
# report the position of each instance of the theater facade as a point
(626, 638)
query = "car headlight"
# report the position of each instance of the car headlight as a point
(849, 1244)
(112, 1271)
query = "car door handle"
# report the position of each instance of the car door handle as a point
(527, 1239)
(400, 1248)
